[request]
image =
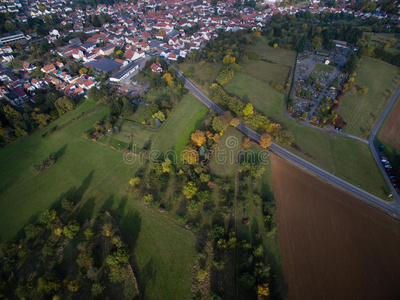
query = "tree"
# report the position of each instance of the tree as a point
(262, 291)
(83, 71)
(97, 289)
(166, 166)
(219, 124)
(205, 177)
(168, 77)
(85, 259)
(190, 189)
(134, 182)
(190, 155)
(67, 204)
(248, 110)
(246, 143)
(316, 42)
(234, 122)
(71, 230)
(265, 140)
(89, 234)
(198, 138)
(73, 286)
(64, 104)
(228, 59)
(225, 76)
(48, 284)
(159, 115)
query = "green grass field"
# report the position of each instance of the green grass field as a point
(97, 175)
(194, 124)
(322, 68)
(205, 74)
(181, 116)
(267, 72)
(362, 111)
(279, 56)
(223, 159)
(346, 158)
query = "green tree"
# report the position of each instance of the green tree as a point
(71, 230)
(219, 124)
(73, 286)
(159, 115)
(97, 289)
(248, 110)
(67, 204)
(64, 105)
(190, 190)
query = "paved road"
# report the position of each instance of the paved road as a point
(374, 148)
(391, 208)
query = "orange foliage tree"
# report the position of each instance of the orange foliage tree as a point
(198, 138)
(265, 140)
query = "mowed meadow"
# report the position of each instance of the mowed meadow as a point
(333, 246)
(362, 111)
(97, 177)
(346, 158)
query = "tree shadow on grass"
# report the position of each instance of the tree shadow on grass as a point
(86, 210)
(147, 274)
(74, 194)
(60, 153)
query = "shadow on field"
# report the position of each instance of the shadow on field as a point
(74, 194)
(147, 274)
(60, 153)
(21, 232)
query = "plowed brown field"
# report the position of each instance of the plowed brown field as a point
(333, 246)
(391, 132)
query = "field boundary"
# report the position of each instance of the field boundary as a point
(338, 187)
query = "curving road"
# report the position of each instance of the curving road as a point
(392, 208)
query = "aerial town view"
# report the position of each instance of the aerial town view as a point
(170, 149)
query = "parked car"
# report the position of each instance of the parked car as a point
(384, 159)
(388, 166)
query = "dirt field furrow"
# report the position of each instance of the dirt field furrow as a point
(333, 246)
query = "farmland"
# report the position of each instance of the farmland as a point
(362, 111)
(390, 132)
(97, 177)
(333, 245)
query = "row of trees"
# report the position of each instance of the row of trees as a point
(15, 123)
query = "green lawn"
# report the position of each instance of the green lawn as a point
(97, 175)
(267, 72)
(201, 74)
(172, 129)
(194, 124)
(362, 111)
(223, 159)
(322, 68)
(157, 95)
(279, 56)
(346, 158)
